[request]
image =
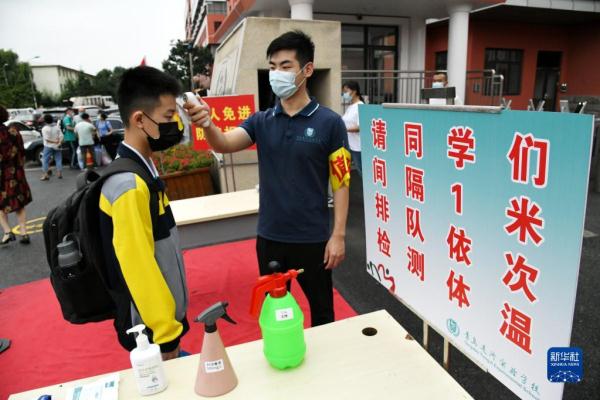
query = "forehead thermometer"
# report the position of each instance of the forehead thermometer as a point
(191, 98)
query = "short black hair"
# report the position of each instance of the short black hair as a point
(103, 115)
(85, 115)
(3, 114)
(141, 88)
(48, 118)
(294, 40)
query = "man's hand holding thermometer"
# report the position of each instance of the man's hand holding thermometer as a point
(200, 114)
(197, 108)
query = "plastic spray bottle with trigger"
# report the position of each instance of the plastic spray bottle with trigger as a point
(215, 374)
(146, 362)
(281, 320)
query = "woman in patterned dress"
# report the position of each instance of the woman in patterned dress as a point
(14, 190)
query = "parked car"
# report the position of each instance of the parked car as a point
(56, 112)
(27, 132)
(34, 149)
(92, 111)
(27, 116)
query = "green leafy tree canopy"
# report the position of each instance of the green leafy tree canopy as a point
(178, 63)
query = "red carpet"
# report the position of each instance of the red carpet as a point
(47, 350)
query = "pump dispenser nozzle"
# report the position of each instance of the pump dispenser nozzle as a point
(141, 339)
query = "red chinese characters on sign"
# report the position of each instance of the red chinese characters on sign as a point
(525, 220)
(519, 157)
(227, 112)
(413, 139)
(518, 328)
(383, 241)
(382, 207)
(338, 166)
(460, 144)
(379, 132)
(458, 289)
(416, 263)
(382, 274)
(459, 245)
(379, 171)
(413, 223)
(457, 190)
(520, 274)
(415, 188)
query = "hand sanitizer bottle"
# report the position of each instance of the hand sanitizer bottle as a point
(146, 362)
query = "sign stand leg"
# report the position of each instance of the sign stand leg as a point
(425, 335)
(446, 354)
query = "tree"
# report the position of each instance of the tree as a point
(15, 81)
(106, 81)
(178, 63)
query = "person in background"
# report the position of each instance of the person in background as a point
(439, 80)
(53, 138)
(79, 115)
(103, 126)
(14, 190)
(69, 136)
(351, 97)
(86, 132)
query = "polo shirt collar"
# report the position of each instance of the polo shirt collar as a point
(307, 111)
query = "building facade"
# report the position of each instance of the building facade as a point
(546, 50)
(51, 79)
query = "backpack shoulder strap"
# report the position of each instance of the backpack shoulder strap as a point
(123, 164)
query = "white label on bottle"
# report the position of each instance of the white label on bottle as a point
(214, 366)
(284, 314)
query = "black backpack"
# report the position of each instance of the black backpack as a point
(81, 289)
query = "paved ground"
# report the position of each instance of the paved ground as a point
(21, 264)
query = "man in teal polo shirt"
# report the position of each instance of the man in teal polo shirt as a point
(302, 147)
(69, 136)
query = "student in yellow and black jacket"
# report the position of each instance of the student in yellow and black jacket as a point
(144, 265)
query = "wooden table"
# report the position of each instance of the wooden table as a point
(219, 218)
(341, 363)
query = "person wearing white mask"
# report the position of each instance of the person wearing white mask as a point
(439, 81)
(351, 97)
(302, 147)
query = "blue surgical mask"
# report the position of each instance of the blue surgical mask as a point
(283, 83)
(346, 98)
(437, 85)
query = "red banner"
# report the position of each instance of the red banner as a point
(228, 112)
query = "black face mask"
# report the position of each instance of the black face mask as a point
(170, 135)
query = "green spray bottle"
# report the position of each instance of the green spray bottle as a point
(281, 320)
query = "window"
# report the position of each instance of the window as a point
(217, 25)
(509, 63)
(441, 60)
(374, 48)
(216, 7)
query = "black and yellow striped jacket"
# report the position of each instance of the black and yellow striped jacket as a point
(145, 267)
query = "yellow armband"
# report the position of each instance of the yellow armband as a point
(339, 168)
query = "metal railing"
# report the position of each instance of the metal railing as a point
(483, 87)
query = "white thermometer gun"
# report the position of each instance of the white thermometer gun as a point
(191, 98)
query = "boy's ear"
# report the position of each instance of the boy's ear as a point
(136, 119)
